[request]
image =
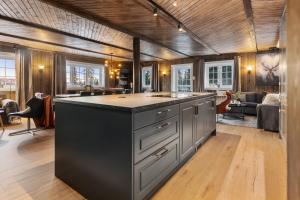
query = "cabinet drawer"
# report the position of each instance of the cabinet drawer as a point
(154, 169)
(153, 137)
(152, 116)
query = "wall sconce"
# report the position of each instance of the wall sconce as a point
(164, 73)
(249, 69)
(41, 67)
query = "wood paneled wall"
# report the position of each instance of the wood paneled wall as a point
(248, 81)
(293, 110)
(42, 78)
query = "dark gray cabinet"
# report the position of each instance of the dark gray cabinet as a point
(154, 169)
(200, 122)
(187, 114)
(128, 154)
(150, 138)
(210, 107)
(197, 122)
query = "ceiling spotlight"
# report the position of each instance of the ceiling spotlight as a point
(175, 3)
(180, 29)
(155, 12)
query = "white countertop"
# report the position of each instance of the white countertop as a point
(131, 101)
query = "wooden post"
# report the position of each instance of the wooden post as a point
(136, 65)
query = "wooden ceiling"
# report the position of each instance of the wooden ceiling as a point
(105, 26)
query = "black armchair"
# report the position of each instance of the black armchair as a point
(35, 109)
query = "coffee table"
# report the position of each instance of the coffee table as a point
(237, 110)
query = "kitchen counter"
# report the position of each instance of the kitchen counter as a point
(133, 102)
(127, 146)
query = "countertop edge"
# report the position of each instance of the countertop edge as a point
(135, 109)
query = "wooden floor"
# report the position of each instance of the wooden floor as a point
(238, 164)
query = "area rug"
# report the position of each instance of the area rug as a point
(249, 121)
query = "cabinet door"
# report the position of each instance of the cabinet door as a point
(200, 122)
(213, 115)
(187, 114)
(210, 116)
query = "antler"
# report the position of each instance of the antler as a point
(266, 67)
(275, 66)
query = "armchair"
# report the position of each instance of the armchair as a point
(35, 109)
(221, 108)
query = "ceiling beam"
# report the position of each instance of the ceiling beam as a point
(250, 18)
(46, 28)
(61, 45)
(77, 11)
(188, 31)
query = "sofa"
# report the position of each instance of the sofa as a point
(251, 100)
(268, 113)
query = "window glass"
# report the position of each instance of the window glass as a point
(146, 78)
(219, 75)
(7, 72)
(182, 78)
(80, 74)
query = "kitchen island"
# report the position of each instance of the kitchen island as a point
(126, 146)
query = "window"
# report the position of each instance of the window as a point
(80, 74)
(7, 72)
(219, 75)
(182, 78)
(146, 77)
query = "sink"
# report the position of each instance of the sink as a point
(173, 96)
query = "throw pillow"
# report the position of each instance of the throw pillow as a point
(271, 99)
(242, 97)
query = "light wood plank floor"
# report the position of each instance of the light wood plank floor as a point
(238, 164)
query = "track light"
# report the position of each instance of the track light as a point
(180, 29)
(155, 12)
(175, 3)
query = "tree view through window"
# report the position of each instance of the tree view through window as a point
(80, 74)
(146, 78)
(182, 76)
(7, 73)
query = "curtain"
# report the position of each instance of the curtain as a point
(198, 71)
(24, 89)
(236, 75)
(59, 75)
(155, 77)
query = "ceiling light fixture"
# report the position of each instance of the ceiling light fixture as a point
(180, 29)
(175, 3)
(155, 12)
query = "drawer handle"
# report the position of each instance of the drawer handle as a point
(164, 111)
(164, 125)
(162, 153)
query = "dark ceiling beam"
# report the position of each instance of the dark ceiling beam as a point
(250, 18)
(62, 45)
(188, 31)
(46, 28)
(77, 11)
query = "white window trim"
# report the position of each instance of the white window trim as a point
(143, 78)
(219, 64)
(87, 65)
(181, 66)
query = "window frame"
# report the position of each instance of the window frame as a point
(219, 65)
(174, 80)
(9, 56)
(85, 65)
(148, 68)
